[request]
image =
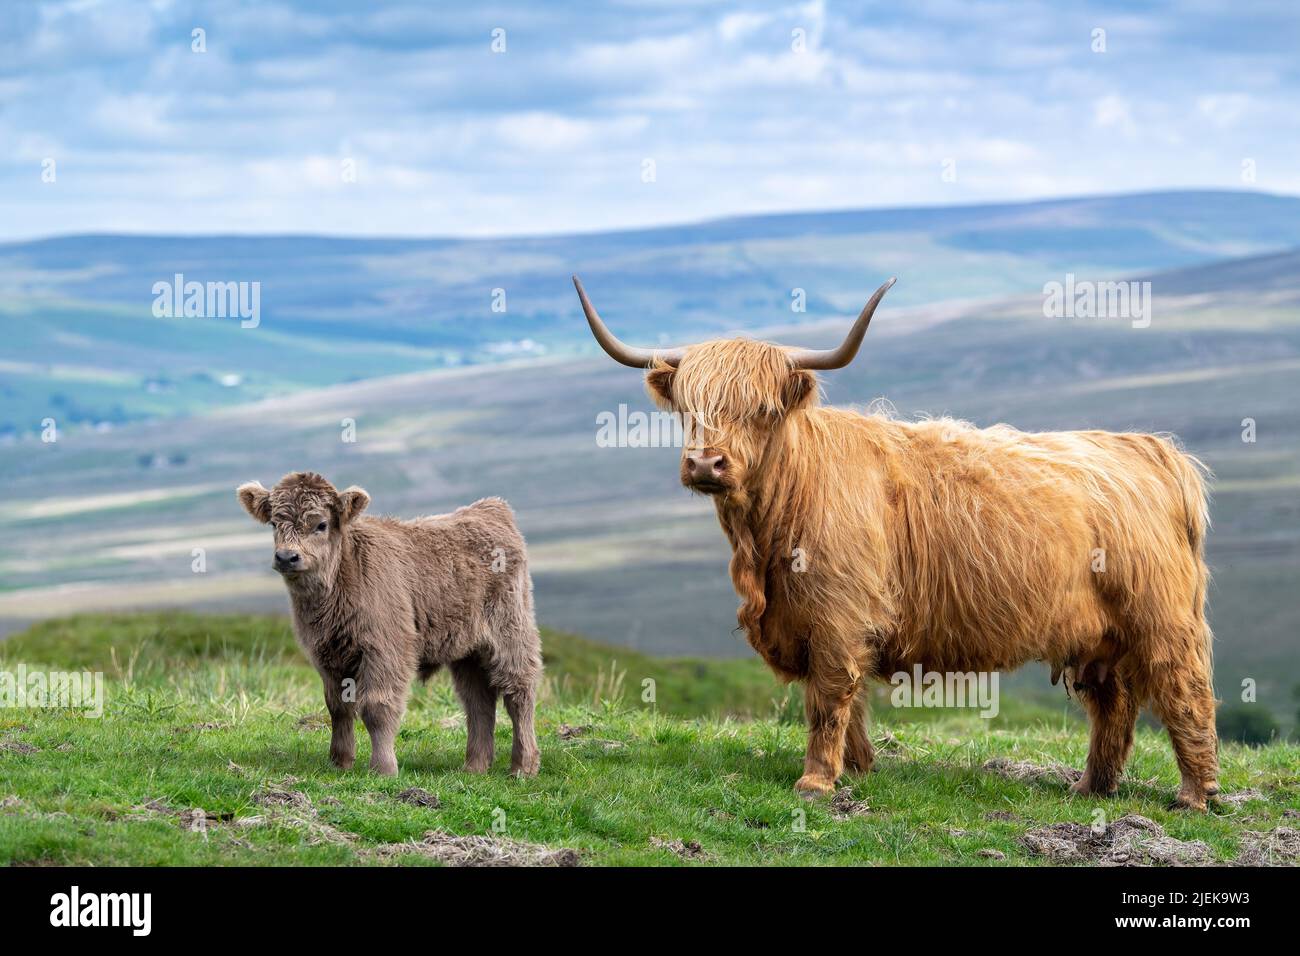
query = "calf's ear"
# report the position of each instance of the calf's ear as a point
(256, 500)
(352, 501)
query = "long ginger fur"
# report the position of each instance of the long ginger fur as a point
(863, 545)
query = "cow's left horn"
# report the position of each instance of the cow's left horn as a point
(842, 355)
(618, 351)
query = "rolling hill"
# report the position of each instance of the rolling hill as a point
(81, 340)
(110, 515)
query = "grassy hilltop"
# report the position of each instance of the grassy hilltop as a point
(212, 750)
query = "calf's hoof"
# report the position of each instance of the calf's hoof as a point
(342, 761)
(811, 786)
(526, 766)
(477, 766)
(384, 768)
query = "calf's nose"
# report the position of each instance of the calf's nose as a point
(702, 467)
(286, 559)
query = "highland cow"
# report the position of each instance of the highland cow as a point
(863, 546)
(378, 601)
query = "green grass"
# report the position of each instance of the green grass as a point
(209, 712)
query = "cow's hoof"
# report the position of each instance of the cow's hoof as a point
(384, 768)
(341, 761)
(810, 787)
(477, 766)
(1189, 800)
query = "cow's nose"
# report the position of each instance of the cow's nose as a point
(702, 467)
(286, 559)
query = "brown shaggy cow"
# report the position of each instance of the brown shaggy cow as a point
(377, 601)
(937, 543)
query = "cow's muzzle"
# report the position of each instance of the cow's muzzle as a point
(705, 471)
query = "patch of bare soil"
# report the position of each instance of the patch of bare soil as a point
(18, 747)
(292, 808)
(1278, 847)
(313, 721)
(417, 797)
(1239, 797)
(843, 805)
(1132, 840)
(478, 851)
(989, 853)
(569, 731)
(281, 796)
(686, 849)
(194, 819)
(198, 820)
(1024, 770)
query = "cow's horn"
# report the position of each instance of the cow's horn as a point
(842, 355)
(618, 351)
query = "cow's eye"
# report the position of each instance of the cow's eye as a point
(322, 526)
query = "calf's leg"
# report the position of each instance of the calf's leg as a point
(343, 715)
(479, 698)
(382, 720)
(525, 759)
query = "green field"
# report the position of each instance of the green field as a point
(212, 750)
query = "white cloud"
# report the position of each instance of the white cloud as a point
(1112, 112)
(1223, 109)
(450, 138)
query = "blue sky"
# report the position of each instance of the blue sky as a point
(882, 104)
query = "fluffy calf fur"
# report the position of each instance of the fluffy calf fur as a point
(378, 601)
(956, 548)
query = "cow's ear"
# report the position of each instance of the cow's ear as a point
(659, 383)
(256, 500)
(352, 501)
(800, 388)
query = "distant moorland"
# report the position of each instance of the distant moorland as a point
(159, 418)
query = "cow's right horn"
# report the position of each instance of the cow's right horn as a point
(842, 354)
(618, 351)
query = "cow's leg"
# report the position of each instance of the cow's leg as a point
(479, 698)
(343, 716)
(1183, 699)
(858, 753)
(1112, 712)
(525, 760)
(828, 702)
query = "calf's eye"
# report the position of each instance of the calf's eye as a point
(322, 526)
